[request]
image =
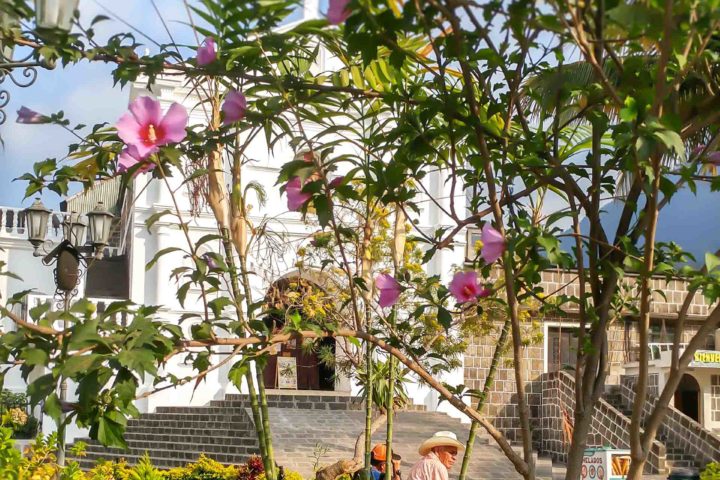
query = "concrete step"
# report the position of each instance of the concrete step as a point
(190, 439)
(212, 410)
(230, 457)
(194, 431)
(218, 416)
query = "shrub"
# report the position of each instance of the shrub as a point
(23, 424)
(252, 469)
(289, 475)
(711, 472)
(145, 470)
(204, 469)
(107, 470)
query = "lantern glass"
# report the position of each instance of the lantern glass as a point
(37, 217)
(74, 228)
(51, 14)
(100, 222)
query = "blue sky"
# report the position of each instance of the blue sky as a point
(84, 92)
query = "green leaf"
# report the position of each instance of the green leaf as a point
(41, 388)
(444, 318)
(152, 219)
(34, 356)
(53, 407)
(322, 208)
(711, 261)
(110, 433)
(81, 363)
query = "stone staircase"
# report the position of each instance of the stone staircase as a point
(675, 455)
(308, 431)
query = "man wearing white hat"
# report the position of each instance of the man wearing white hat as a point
(439, 453)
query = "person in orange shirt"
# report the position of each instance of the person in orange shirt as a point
(439, 454)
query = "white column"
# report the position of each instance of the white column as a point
(311, 9)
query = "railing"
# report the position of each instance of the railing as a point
(656, 350)
(12, 222)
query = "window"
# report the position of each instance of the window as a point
(562, 348)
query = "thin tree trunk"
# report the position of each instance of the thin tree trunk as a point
(262, 397)
(270, 472)
(398, 253)
(637, 453)
(389, 474)
(489, 379)
(252, 395)
(368, 409)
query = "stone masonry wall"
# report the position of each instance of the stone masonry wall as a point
(609, 426)
(501, 405)
(678, 428)
(565, 282)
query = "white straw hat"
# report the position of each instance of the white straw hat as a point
(440, 439)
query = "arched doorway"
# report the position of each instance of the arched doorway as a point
(286, 300)
(687, 397)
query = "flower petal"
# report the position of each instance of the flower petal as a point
(28, 116)
(128, 129)
(296, 197)
(173, 124)
(464, 286)
(234, 107)
(146, 110)
(389, 290)
(206, 53)
(130, 157)
(493, 244)
(337, 11)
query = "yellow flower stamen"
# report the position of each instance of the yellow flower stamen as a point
(151, 135)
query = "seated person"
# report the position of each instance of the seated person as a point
(378, 457)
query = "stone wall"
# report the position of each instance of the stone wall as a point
(715, 398)
(501, 405)
(677, 428)
(667, 296)
(609, 426)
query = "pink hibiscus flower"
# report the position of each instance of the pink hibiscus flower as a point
(338, 11)
(131, 157)
(493, 244)
(296, 197)
(389, 290)
(28, 116)
(206, 52)
(145, 128)
(233, 107)
(465, 288)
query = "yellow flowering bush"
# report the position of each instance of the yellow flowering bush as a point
(204, 469)
(18, 417)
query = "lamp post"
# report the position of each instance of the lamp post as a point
(50, 15)
(68, 256)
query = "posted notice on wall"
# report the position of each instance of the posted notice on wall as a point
(287, 372)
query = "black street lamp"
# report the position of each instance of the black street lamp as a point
(49, 15)
(68, 256)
